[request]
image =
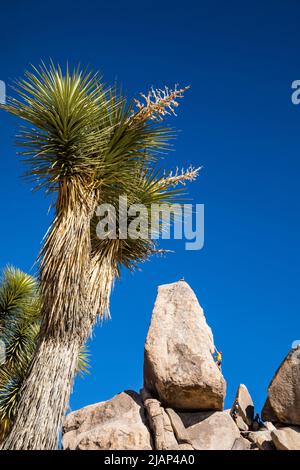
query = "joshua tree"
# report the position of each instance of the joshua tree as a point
(20, 320)
(86, 146)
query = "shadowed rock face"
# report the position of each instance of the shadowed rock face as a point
(178, 365)
(283, 402)
(262, 439)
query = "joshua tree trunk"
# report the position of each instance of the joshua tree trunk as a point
(74, 289)
(45, 396)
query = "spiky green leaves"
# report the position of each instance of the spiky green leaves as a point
(83, 364)
(17, 291)
(19, 326)
(77, 126)
(67, 117)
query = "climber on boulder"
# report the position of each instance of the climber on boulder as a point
(218, 358)
(235, 410)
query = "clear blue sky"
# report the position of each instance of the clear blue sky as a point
(237, 120)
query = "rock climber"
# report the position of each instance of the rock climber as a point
(235, 410)
(257, 422)
(218, 358)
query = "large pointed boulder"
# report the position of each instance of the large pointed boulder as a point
(243, 405)
(178, 363)
(283, 402)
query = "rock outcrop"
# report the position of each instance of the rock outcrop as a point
(287, 438)
(179, 368)
(283, 402)
(181, 404)
(159, 423)
(241, 423)
(262, 439)
(241, 444)
(214, 430)
(118, 423)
